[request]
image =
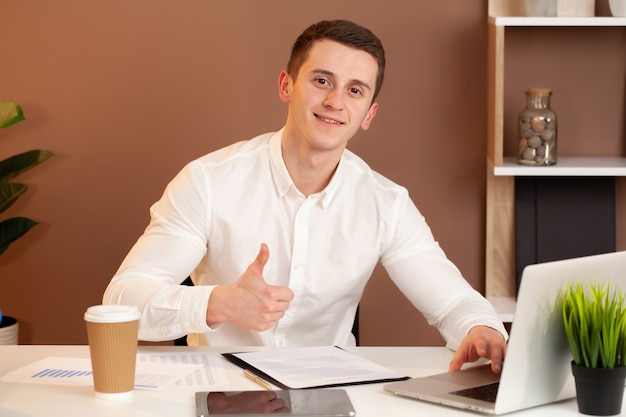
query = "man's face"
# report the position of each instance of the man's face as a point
(331, 96)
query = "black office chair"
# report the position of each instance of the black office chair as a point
(355, 327)
(182, 341)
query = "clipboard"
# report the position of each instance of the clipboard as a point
(314, 367)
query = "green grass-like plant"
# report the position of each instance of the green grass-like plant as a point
(594, 318)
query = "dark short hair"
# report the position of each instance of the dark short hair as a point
(342, 31)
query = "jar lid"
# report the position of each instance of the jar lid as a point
(539, 91)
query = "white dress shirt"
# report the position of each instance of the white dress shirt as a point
(217, 211)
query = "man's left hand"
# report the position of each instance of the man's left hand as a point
(480, 342)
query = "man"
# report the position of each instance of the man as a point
(324, 216)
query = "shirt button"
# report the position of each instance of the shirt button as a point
(280, 342)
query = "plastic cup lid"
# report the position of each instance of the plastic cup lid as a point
(112, 313)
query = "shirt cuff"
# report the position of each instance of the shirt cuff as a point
(194, 307)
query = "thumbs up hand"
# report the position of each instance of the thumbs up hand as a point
(249, 302)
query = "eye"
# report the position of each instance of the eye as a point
(322, 82)
(356, 91)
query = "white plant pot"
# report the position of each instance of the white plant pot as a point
(618, 7)
(8, 331)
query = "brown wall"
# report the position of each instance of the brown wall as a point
(125, 92)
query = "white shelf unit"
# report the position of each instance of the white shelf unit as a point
(501, 170)
(556, 21)
(565, 167)
(505, 307)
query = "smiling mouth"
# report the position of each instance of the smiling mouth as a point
(329, 121)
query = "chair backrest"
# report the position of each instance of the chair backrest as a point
(182, 341)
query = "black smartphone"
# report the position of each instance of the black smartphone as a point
(264, 403)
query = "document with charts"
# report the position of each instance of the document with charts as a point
(153, 371)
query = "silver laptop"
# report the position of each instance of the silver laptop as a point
(537, 367)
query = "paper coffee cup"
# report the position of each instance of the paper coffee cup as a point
(112, 333)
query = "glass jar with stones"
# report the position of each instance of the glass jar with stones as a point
(537, 129)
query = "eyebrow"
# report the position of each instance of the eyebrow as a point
(353, 81)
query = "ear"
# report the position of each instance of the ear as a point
(284, 86)
(365, 124)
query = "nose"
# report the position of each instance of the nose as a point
(334, 99)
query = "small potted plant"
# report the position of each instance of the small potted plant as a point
(594, 319)
(13, 228)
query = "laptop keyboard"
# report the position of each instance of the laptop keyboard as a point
(484, 392)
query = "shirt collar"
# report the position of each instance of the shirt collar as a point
(283, 181)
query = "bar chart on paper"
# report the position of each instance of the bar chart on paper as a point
(60, 373)
(54, 370)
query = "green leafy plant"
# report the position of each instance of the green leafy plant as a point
(594, 318)
(13, 228)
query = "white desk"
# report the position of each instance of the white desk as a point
(25, 400)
